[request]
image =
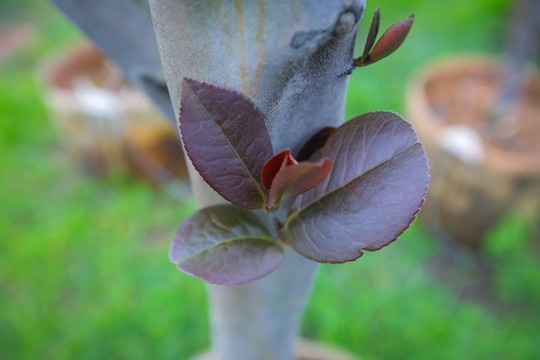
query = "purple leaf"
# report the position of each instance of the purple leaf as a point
(225, 245)
(373, 193)
(226, 139)
(298, 178)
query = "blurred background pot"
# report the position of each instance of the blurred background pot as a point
(482, 164)
(105, 123)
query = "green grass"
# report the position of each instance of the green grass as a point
(83, 263)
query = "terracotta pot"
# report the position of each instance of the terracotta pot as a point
(306, 350)
(481, 166)
(106, 123)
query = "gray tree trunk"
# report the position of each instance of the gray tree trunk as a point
(523, 45)
(289, 57)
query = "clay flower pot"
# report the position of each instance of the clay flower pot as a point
(481, 166)
(106, 123)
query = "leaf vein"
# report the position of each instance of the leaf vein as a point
(225, 242)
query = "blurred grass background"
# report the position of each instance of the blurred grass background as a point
(83, 263)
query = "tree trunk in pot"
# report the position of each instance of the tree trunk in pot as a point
(288, 57)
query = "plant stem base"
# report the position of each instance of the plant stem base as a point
(305, 350)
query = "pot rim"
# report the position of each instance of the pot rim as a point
(432, 127)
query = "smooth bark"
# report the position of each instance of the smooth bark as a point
(123, 31)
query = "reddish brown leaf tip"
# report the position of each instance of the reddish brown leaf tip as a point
(296, 179)
(272, 166)
(392, 39)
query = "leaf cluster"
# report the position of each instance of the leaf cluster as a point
(354, 188)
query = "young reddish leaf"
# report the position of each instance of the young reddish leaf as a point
(283, 174)
(297, 179)
(226, 139)
(314, 143)
(391, 40)
(372, 35)
(225, 245)
(373, 193)
(273, 165)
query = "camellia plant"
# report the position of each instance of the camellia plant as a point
(349, 189)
